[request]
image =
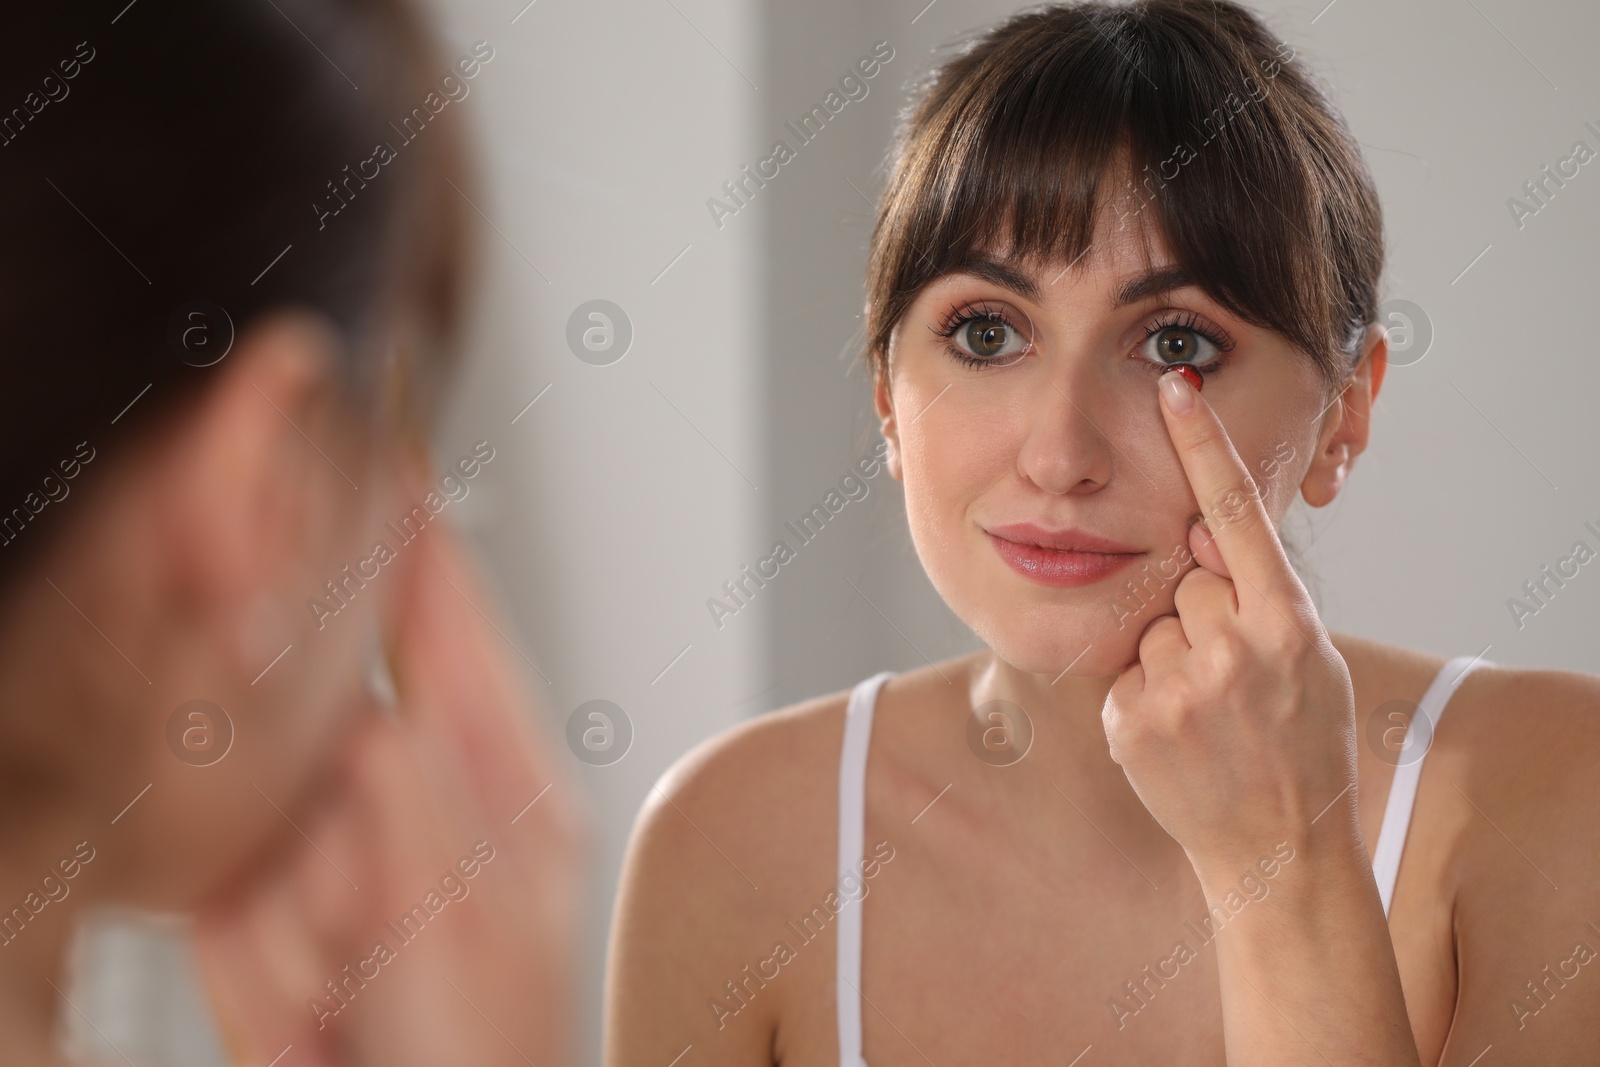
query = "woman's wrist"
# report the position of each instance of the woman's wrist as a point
(1313, 871)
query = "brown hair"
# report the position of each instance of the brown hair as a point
(194, 151)
(1255, 182)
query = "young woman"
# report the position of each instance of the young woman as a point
(1159, 818)
(226, 318)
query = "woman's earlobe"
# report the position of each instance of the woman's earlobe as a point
(883, 404)
(1326, 477)
(889, 430)
(891, 456)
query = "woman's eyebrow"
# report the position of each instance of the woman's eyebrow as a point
(998, 272)
(1150, 283)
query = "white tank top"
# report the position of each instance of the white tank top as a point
(852, 819)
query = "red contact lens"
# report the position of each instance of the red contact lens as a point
(1190, 375)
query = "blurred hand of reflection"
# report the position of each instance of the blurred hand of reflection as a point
(429, 913)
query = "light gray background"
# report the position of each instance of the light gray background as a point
(627, 494)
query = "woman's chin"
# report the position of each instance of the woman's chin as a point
(1058, 646)
(1090, 631)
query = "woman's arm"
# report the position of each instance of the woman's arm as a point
(1308, 976)
(1521, 803)
(1236, 727)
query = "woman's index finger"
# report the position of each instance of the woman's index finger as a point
(1229, 497)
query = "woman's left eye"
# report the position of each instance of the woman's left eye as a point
(1185, 341)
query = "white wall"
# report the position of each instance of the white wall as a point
(627, 490)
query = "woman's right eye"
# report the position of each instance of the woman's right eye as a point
(988, 340)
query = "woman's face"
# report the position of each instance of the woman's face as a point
(211, 541)
(1021, 405)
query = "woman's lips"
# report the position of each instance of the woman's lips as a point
(1059, 568)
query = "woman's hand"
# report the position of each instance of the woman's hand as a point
(1236, 725)
(421, 805)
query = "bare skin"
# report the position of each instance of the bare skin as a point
(1014, 909)
(1006, 919)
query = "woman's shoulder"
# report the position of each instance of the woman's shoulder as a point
(737, 837)
(1511, 761)
(783, 755)
(775, 755)
(764, 792)
(1530, 710)
(1524, 739)
(1505, 830)
(1513, 710)
(752, 805)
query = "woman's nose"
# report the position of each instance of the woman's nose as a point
(1068, 445)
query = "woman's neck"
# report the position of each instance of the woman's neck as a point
(1063, 711)
(1066, 785)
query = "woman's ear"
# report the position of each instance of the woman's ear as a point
(1346, 426)
(886, 418)
(252, 488)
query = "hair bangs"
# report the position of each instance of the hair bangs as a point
(1186, 122)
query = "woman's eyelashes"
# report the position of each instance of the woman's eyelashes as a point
(983, 334)
(1178, 338)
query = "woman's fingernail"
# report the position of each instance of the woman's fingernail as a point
(1180, 395)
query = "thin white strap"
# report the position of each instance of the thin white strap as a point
(852, 829)
(1403, 791)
